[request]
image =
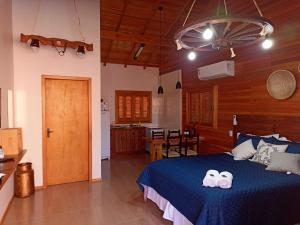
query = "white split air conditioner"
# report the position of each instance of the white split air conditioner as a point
(216, 70)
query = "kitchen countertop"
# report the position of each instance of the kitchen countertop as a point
(126, 126)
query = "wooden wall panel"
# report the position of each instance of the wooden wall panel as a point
(246, 93)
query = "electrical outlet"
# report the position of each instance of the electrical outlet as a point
(230, 133)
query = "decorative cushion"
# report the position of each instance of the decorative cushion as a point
(264, 150)
(243, 151)
(255, 139)
(285, 162)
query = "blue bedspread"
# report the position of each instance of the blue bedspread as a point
(258, 196)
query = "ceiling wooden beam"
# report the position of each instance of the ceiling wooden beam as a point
(136, 38)
(136, 63)
(116, 29)
(154, 52)
(178, 17)
(146, 25)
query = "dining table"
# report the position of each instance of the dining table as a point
(156, 145)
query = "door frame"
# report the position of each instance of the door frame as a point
(44, 132)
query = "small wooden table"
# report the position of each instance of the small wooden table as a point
(156, 146)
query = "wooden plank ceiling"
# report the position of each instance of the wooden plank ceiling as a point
(125, 24)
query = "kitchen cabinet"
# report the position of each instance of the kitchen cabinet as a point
(127, 140)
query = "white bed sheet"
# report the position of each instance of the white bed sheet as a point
(170, 212)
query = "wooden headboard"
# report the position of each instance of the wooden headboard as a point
(286, 126)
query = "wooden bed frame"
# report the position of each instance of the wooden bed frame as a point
(286, 126)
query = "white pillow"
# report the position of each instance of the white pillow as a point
(264, 150)
(265, 136)
(244, 150)
(283, 139)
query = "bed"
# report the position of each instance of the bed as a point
(257, 196)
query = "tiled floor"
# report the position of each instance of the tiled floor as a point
(114, 201)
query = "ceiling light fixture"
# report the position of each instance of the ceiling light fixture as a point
(58, 43)
(178, 85)
(223, 32)
(192, 56)
(160, 90)
(139, 51)
(207, 34)
(267, 43)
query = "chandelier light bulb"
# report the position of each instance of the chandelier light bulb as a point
(267, 43)
(207, 34)
(192, 56)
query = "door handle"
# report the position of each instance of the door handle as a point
(49, 131)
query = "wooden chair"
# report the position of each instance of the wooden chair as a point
(190, 142)
(158, 134)
(174, 144)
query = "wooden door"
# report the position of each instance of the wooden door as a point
(66, 130)
(206, 108)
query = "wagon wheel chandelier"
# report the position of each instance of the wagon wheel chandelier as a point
(224, 32)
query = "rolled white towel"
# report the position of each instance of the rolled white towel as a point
(225, 180)
(211, 178)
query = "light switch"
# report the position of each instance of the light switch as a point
(230, 133)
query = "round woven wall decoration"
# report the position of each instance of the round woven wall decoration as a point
(281, 84)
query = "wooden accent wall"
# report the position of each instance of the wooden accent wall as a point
(246, 93)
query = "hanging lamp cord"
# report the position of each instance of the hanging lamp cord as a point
(36, 16)
(225, 7)
(188, 15)
(78, 20)
(160, 33)
(257, 7)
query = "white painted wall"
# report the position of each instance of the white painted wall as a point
(6, 57)
(172, 101)
(136, 78)
(56, 18)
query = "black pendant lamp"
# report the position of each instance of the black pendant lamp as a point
(160, 89)
(178, 85)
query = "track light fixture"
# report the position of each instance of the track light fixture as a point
(139, 51)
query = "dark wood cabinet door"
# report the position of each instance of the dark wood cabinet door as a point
(127, 140)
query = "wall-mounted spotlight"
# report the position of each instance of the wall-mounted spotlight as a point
(139, 51)
(80, 50)
(34, 43)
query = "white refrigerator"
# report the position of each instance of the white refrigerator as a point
(105, 135)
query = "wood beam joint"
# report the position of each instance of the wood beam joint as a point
(136, 38)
